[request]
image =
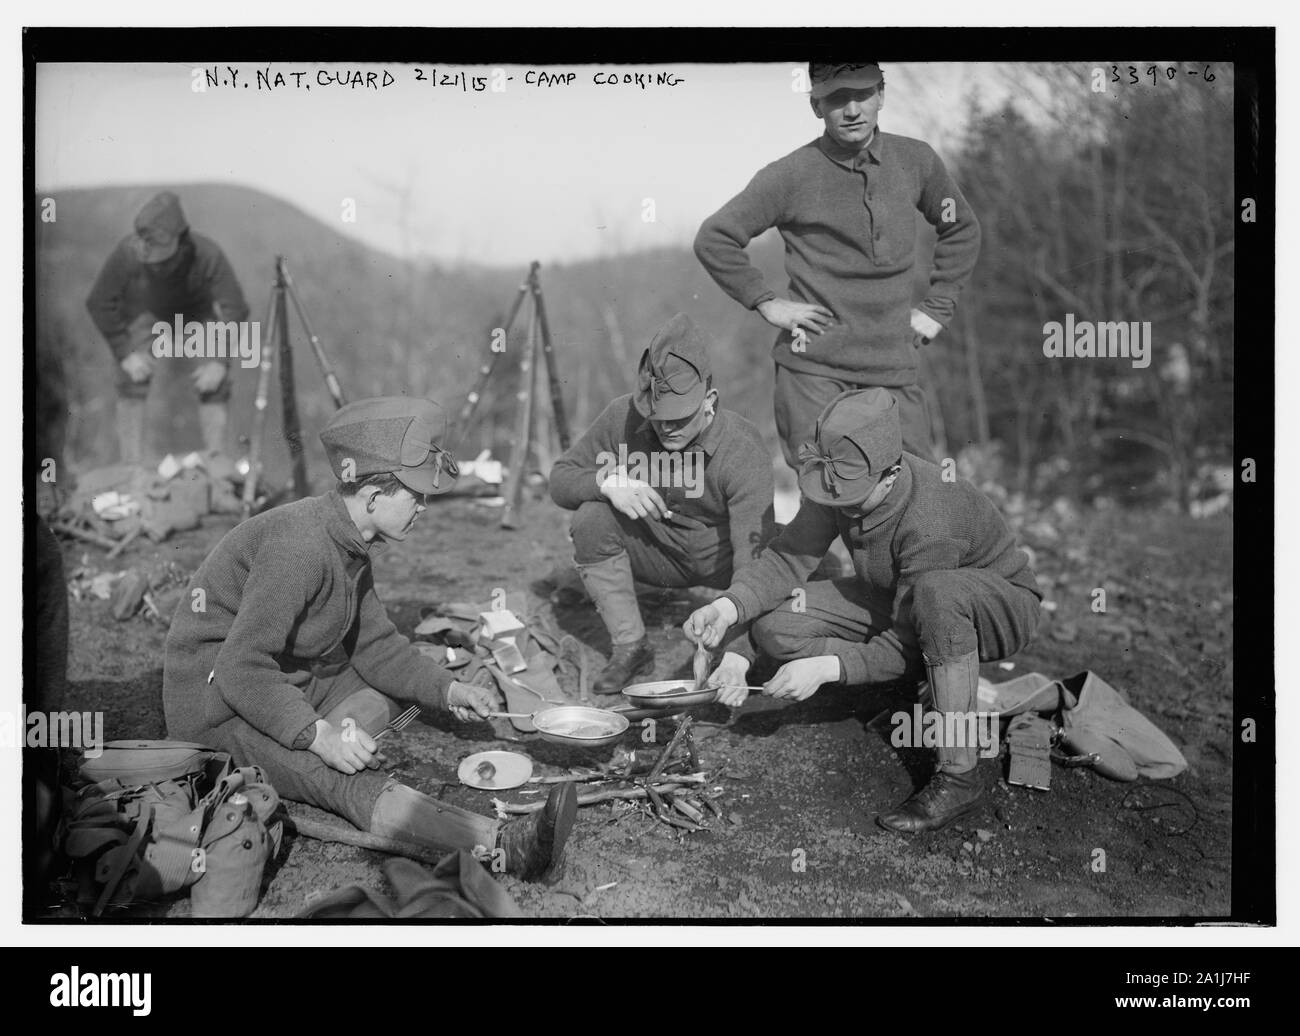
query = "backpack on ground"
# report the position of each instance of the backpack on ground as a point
(152, 818)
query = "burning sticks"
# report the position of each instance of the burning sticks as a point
(681, 800)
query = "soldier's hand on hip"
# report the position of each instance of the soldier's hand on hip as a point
(138, 366)
(467, 701)
(801, 678)
(346, 748)
(924, 328)
(209, 377)
(632, 497)
(789, 316)
(708, 624)
(729, 678)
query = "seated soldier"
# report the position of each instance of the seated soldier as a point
(667, 488)
(938, 580)
(282, 654)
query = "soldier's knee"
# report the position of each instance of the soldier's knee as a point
(595, 532)
(367, 708)
(937, 597)
(941, 614)
(779, 635)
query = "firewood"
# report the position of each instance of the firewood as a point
(586, 798)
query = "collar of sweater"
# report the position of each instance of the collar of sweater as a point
(343, 530)
(849, 157)
(892, 505)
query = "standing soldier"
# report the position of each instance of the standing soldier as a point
(845, 207)
(938, 581)
(666, 488)
(162, 271)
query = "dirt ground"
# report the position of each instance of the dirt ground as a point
(804, 782)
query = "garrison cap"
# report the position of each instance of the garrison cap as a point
(672, 376)
(158, 228)
(826, 78)
(857, 439)
(395, 435)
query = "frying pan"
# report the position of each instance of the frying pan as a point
(576, 725)
(662, 694)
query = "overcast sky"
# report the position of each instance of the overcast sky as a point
(554, 173)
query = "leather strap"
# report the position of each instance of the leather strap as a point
(124, 861)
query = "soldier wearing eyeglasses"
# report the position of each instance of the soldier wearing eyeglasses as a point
(282, 654)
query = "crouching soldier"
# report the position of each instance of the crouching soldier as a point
(938, 581)
(282, 654)
(667, 488)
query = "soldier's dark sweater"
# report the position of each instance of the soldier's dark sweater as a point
(188, 283)
(735, 497)
(285, 593)
(849, 227)
(924, 525)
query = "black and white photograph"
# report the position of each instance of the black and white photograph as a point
(708, 477)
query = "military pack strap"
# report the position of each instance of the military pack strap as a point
(125, 856)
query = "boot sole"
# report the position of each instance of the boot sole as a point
(566, 816)
(965, 811)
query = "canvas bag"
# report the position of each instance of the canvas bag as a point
(1096, 721)
(154, 817)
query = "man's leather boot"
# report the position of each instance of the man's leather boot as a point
(610, 585)
(534, 846)
(129, 419)
(948, 797)
(626, 663)
(955, 790)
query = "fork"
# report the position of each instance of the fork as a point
(400, 722)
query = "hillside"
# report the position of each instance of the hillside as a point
(389, 326)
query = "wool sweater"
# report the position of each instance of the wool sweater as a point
(734, 493)
(924, 525)
(849, 226)
(286, 595)
(189, 284)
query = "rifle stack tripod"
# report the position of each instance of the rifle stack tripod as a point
(278, 345)
(538, 334)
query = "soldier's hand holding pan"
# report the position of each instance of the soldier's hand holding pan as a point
(729, 679)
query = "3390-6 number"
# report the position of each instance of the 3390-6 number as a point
(1153, 72)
